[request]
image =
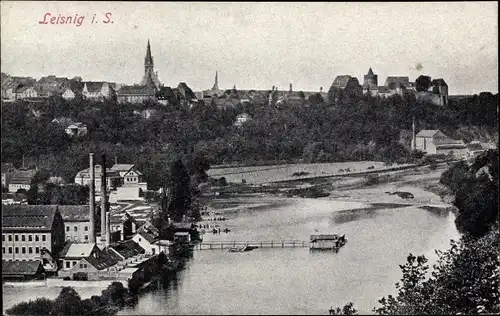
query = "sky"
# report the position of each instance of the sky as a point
(255, 45)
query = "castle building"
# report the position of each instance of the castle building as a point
(149, 69)
(370, 82)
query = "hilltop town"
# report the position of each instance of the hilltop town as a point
(150, 88)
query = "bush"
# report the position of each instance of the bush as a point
(433, 167)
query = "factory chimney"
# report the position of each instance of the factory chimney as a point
(92, 199)
(103, 198)
(108, 234)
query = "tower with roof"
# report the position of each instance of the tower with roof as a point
(370, 81)
(149, 74)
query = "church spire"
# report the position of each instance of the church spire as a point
(370, 71)
(216, 83)
(149, 59)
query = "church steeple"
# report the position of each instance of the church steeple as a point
(149, 59)
(216, 83)
(370, 71)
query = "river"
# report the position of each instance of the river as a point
(294, 280)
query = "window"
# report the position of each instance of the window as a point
(23, 238)
(67, 228)
(37, 238)
(74, 263)
(75, 228)
(16, 237)
(23, 249)
(140, 239)
(3, 237)
(30, 249)
(44, 238)
(30, 237)
(16, 249)
(86, 228)
(10, 249)
(86, 237)
(10, 237)
(68, 265)
(153, 250)
(81, 265)
(37, 249)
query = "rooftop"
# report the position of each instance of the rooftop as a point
(20, 267)
(28, 217)
(74, 213)
(77, 250)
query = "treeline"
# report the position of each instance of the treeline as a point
(350, 129)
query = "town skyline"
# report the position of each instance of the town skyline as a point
(193, 52)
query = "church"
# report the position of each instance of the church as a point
(150, 84)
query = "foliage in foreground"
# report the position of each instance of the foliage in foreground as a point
(69, 303)
(465, 278)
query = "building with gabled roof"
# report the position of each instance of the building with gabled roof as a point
(435, 142)
(76, 129)
(350, 85)
(112, 178)
(32, 232)
(22, 179)
(76, 222)
(24, 270)
(98, 90)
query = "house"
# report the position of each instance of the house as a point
(26, 92)
(129, 175)
(76, 222)
(125, 224)
(8, 171)
(435, 142)
(98, 90)
(112, 178)
(32, 233)
(75, 88)
(97, 265)
(11, 86)
(22, 270)
(127, 250)
(72, 253)
(22, 179)
(136, 94)
(148, 237)
(241, 119)
(76, 129)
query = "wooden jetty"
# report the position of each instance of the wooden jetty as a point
(214, 245)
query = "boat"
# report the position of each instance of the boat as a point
(327, 242)
(242, 248)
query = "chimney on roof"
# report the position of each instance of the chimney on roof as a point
(103, 198)
(92, 199)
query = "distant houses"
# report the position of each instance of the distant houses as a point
(76, 129)
(119, 175)
(435, 142)
(22, 180)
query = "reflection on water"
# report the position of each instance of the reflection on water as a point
(295, 280)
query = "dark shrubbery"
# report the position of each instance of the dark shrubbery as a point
(69, 303)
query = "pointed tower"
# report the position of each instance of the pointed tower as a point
(216, 83)
(370, 81)
(149, 69)
(148, 61)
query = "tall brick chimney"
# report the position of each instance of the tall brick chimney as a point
(103, 197)
(92, 199)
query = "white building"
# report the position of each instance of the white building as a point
(435, 142)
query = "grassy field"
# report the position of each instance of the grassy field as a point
(266, 174)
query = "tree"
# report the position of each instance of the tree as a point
(179, 185)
